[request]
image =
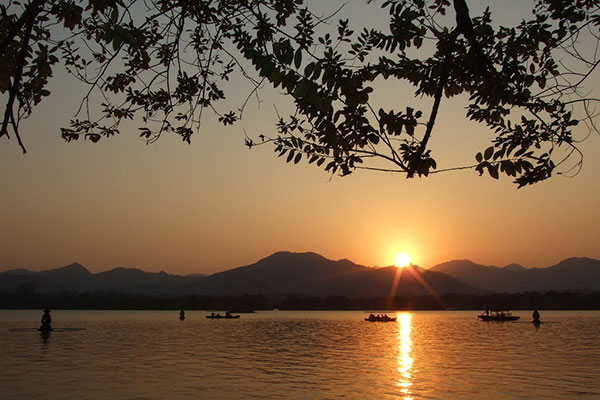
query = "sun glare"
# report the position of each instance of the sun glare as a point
(402, 260)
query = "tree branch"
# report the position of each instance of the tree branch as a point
(436, 104)
(31, 12)
(16, 84)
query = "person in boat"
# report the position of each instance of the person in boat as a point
(227, 314)
(46, 320)
(536, 316)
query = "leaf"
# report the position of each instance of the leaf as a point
(288, 55)
(116, 43)
(308, 70)
(298, 59)
(300, 90)
(418, 41)
(289, 81)
(290, 156)
(493, 171)
(276, 77)
(488, 152)
(317, 71)
(94, 137)
(114, 15)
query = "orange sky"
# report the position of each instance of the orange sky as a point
(215, 204)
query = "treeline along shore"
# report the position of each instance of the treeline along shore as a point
(566, 300)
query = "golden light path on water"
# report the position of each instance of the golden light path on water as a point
(405, 361)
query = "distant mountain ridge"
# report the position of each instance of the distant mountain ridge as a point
(573, 273)
(310, 274)
(76, 278)
(313, 274)
(281, 273)
(19, 271)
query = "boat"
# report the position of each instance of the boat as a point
(380, 318)
(46, 326)
(219, 316)
(497, 314)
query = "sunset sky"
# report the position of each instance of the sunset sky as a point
(215, 205)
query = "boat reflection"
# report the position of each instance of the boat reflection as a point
(405, 361)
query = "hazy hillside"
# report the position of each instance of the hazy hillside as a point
(136, 281)
(309, 274)
(279, 274)
(11, 282)
(572, 273)
(282, 273)
(20, 271)
(76, 278)
(581, 273)
(312, 274)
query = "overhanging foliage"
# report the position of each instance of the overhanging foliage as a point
(165, 62)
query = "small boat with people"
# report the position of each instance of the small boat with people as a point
(227, 315)
(497, 314)
(46, 326)
(380, 318)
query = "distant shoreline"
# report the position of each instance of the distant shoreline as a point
(567, 300)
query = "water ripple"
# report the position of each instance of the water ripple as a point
(317, 355)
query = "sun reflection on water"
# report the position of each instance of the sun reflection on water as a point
(405, 361)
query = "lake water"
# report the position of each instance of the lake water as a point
(298, 355)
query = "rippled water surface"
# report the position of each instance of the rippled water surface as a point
(298, 355)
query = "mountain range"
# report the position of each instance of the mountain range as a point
(572, 273)
(310, 274)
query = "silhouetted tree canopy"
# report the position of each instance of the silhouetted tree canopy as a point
(163, 62)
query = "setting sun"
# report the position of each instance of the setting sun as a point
(402, 260)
